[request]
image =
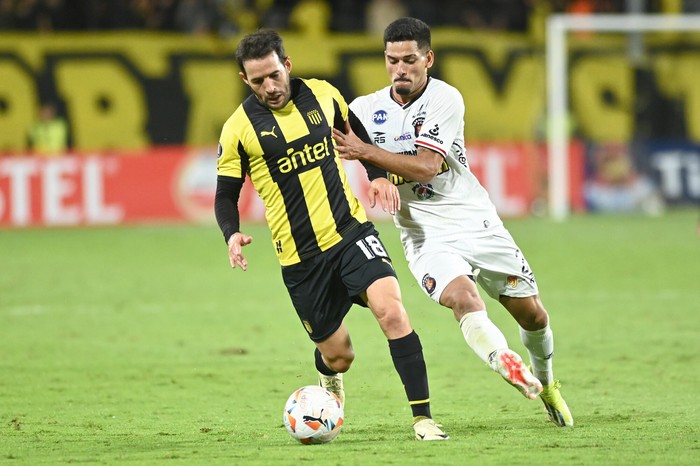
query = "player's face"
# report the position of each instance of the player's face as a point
(408, 68)
(268, 77)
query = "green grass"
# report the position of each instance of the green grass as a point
(139, 345)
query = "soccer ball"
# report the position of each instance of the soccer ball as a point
(313, 415)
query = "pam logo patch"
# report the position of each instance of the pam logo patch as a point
(428, 283)
(379, 117)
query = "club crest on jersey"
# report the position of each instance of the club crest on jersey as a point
(428, 283)
(307, 326)
(314, 117)
(423, 191)
(379, 117)
(417, 125)
(511, 281)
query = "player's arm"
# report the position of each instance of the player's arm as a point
(421, 168)
(380, 188)
(228, 191)
(373, 171)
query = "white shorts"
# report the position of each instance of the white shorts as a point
(500, 267)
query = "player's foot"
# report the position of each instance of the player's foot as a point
(556, 407)
(511, 367)
(334, 384)
(427, 429)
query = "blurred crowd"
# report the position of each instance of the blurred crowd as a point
(228, 17)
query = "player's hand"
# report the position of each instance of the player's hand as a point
(386, 192)
(235, 249)
(348, 145)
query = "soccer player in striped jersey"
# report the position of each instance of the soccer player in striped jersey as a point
(331, 255)
(452, 236)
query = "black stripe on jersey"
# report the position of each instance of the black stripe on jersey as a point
(338, 123)
(245, 159)
(306, 102)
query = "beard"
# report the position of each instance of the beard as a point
(402, 90)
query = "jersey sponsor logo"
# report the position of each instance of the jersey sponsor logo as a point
(417, 125)
(432, 134)
(314, 117)
(305, 156)
(379, 117)
(269, 133)
(379, 137)
(459, 154)
(423, 191)
(404, 137)
(428, 283)
(219, 151)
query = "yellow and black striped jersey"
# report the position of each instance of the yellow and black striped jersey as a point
(290, 158)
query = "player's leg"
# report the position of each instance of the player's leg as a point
(384, 300)
(444, 272)
(538, 338)
(485, 338)
(321, 303)
(369, 277)
(333, 357)
(507, 276)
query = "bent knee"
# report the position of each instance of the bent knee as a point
(462, 297)
(342, 362)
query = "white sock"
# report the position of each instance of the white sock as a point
(481, 334)
(540, 346)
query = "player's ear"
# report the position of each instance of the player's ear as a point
(243, 77)
(288, 65)
(429, 58)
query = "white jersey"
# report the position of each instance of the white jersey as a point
(451, 205)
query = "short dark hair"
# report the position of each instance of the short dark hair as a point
(408, 29)
(259, 44)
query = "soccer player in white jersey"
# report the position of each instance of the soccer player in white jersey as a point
(452, 235)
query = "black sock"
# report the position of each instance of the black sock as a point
(320, 365)
(407, 354)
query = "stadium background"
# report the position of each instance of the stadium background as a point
(146, 86)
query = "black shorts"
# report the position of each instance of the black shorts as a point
(324, 287)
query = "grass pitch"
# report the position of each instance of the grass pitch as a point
(140, 346)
